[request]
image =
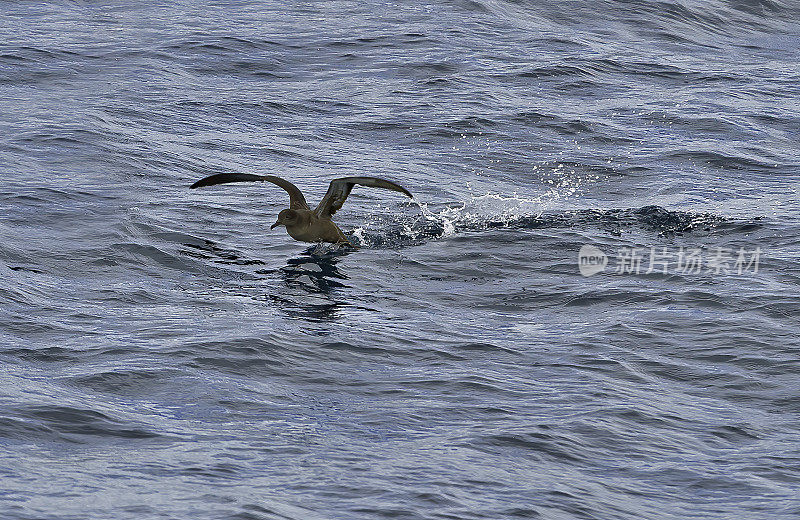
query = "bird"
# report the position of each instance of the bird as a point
(301, 222)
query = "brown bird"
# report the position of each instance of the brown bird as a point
(302, 223)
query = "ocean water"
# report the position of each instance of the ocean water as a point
(165, 355)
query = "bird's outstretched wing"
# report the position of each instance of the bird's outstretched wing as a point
(296, 199)
(340, 189)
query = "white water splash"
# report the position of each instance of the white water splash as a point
(477, 212)
(358, 233)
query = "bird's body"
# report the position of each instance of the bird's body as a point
(310, 228)
(302, 223)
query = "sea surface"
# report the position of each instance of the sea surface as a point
(589, 310)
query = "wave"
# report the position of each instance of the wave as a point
(492, 211)
(66, 422)
(695, 22)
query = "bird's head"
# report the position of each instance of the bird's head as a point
(287, 217)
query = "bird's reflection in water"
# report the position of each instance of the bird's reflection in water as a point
(310, 281)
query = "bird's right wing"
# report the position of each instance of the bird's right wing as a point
(339, 189)
(296, 199)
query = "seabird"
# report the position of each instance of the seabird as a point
(302, 223)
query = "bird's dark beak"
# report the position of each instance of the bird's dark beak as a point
(273, 226)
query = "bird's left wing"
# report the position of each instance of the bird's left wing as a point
(296, 199)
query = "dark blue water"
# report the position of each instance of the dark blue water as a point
(165, 355)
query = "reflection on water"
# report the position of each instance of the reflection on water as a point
(310, 282)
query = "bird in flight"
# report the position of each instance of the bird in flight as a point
(302, 223)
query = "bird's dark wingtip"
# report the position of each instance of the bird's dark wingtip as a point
(404, 191)
(208, 181)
